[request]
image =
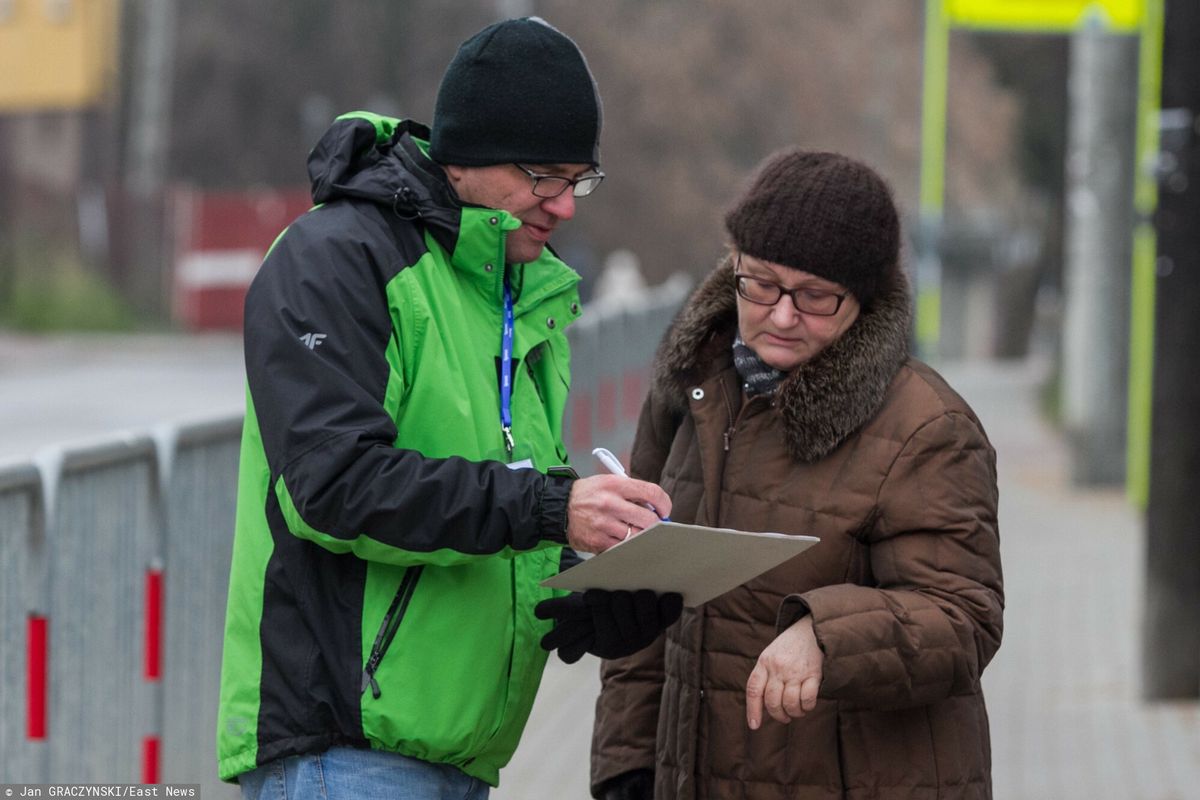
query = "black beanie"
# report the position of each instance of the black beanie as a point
(822, 213)
(517, 91)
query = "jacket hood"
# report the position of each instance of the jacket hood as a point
(383, 160)
(821, 402)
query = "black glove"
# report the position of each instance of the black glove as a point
(635, 785)
(607, 624)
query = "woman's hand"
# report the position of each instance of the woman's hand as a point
(786, 677)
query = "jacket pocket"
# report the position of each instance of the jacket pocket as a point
(387, 629)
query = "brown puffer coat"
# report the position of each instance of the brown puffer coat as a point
(871, 451)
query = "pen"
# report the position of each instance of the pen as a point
(613, 465)
(610, 462)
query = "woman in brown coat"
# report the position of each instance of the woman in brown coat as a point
(785, 400)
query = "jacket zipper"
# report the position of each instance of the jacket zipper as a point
(387, 630)
(728, 435)
(734, 418)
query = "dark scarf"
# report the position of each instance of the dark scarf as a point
(758, 377)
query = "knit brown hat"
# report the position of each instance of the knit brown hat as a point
(822, 213)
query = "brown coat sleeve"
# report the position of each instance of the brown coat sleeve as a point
(627, 709)
(934, 620)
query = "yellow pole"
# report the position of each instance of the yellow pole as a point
(933, 173)
(1141, 322)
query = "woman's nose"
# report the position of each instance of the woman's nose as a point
(784, 312)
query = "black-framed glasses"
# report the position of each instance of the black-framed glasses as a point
(763, 292)
(548, 186)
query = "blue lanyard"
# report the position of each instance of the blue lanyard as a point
(506, 346)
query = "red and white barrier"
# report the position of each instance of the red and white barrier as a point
(220, 240)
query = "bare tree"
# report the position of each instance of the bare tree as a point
(695, 93)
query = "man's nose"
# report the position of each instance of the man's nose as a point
(562, 206)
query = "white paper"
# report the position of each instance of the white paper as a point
(698, 562)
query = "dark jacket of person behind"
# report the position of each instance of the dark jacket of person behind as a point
(858, 444)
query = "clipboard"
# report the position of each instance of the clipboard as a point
(698, 562)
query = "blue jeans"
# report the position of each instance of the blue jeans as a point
(347, 773)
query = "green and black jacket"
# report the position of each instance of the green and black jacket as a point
(387, 560)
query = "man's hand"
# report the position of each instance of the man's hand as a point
(786, 677)
(607, 624)
(603, 509)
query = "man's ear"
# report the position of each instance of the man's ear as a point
(454, 172)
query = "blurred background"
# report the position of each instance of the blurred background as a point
(126, 124)
(1042, 155)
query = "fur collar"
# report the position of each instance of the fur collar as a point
(822, 402)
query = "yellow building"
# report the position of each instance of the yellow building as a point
(56, 54)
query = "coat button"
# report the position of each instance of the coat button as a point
(574, 308)
(550, 323)
(493, 220)
(488, 267)
(697, 393)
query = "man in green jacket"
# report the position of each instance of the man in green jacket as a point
(398, 502)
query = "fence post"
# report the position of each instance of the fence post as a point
(24, 626)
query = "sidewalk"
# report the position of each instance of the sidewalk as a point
(1062, 693)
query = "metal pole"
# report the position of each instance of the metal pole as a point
(508, 9)
(1145, 198)
(933, 172)
(150, 125)
(1099, 246)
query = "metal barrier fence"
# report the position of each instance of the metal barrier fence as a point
(200, 489)
(612, 347)
(116, 556)
(104, 535)
(22, 622)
